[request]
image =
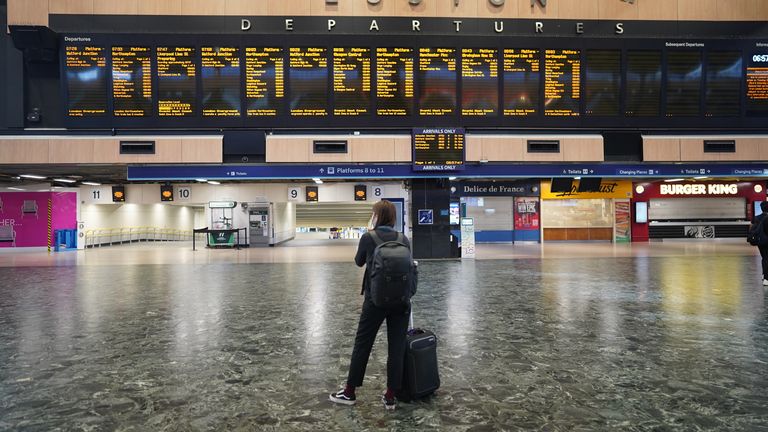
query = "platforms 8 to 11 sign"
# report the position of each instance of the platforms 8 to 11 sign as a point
(438, 149)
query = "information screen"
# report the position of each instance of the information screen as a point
(724, 71)
(309, 81)
(351, 81)
(757, 85)
(220, 70)
(437, 81)
(479, 82)
(86, 71)
(394, 81)
(603, 83)
(132, 81)
(683, 83)
(643, 89)
(562, 83)
(438, 149)
(264, 81)
(522, 80)
(176, 81)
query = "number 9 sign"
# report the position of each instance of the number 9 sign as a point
(294, 193)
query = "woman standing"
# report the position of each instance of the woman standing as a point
(384, 217)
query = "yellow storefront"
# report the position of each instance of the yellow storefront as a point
(587, 216)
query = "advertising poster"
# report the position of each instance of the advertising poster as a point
(24, 217)
(623, 219)
(527, 214)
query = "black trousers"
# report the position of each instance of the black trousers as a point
(370, 321)
(764, 255)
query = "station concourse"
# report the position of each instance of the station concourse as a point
(183, 186)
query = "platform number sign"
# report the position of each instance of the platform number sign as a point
(184, 193)
(377, 192)
(96, 195)
(294, 194)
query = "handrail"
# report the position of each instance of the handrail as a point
(109, 236)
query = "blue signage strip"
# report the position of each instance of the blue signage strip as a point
(393, 171)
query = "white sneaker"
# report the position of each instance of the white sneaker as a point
(765, 282)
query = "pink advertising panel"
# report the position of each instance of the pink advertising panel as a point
(24, 217)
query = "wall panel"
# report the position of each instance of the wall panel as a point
(116, 7)
(203, 7)
(106, 151)
(403, 152)
(526, 10)
(508, 10)
(24, 151)
(657, 10)
(372, 149)
(464, 9)
(661, 149)
(155, 7)
(202, 150)
(618, 10)
(698, 10)
(70, 151)
(582, 150)
(506, 149)
(473, 148)
(383, 8)
(692, 149)
(737, 10)
(342, 8)
(578, 9)
(28, 12)
(245, 7)
(288, 7)
(287, 149)
(84, 7)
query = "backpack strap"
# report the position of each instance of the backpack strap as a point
(375, 237)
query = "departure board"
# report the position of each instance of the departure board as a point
(438, 149)
(522, 80)
(308, 81)
(479, 82)
(220, 71)
(132, 81)
(394, 81)
(351, 81)
(176, 81)
(643, 88)
(757, 85)
(723, 95)
(264, 81)
(437, 81)
(683, 83)
(602, 85)
(86, 71)
(562, 82)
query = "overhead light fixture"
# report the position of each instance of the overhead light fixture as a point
(32, 176)
(63, 180)
(317, 181)
(577, 178)
(701, 178)
(673, 180)
(213, 182)
(16, 189)
(92, 183)
(452, 178)
(201, 180)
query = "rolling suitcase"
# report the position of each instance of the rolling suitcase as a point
(420, 372)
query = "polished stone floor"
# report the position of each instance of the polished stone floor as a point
(572, 338)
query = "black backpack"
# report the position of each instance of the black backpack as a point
(756, 235)
(392, 273)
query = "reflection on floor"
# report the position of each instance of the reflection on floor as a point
(569, 337)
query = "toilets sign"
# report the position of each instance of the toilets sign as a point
(699, 189)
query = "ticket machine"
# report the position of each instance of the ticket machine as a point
(259, 224)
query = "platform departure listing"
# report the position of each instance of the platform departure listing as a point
(132, 81)
(264, 80)
(177, 81)
(86, 81)
(394, 81)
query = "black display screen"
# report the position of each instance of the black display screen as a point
(132, 81)
(394, 81)
(438, 149)
(562, 83)
(308, 81)
(643, 89)
(479, 82)
(437, 81)
(220, 70)
(724, 72)
(351, 81)
(86, 74)
(264, 81)
(176, 81)
(684, 83)
(324, 82)
(522, 79)
(757, 85)
(602, 83)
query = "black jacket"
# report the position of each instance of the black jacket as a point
(367, 245)
(756, 220)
